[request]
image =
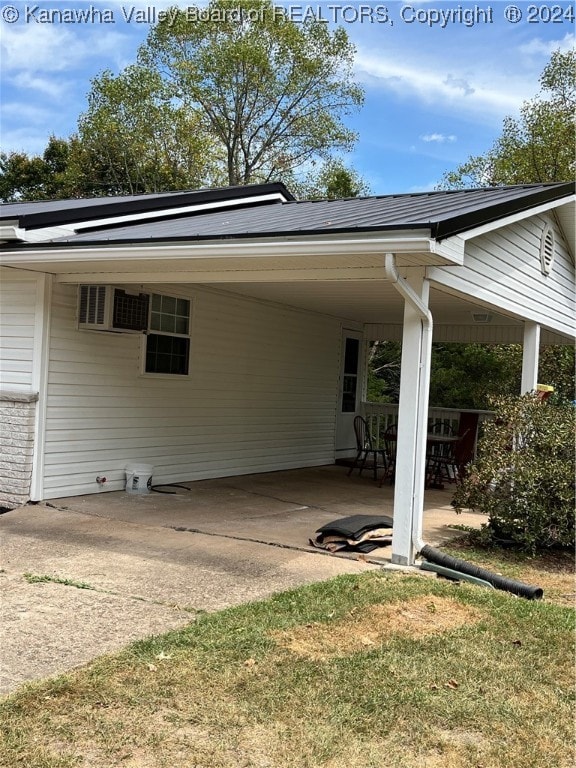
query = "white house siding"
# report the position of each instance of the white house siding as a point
(19, 306)
(502, 269)
(18, 301)
(261, 395)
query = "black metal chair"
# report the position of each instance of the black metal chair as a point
(447, 463)
(365, 448)
(390, 439)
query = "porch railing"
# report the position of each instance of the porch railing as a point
(382, 415)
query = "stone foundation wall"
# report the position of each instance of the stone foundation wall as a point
(17, 418)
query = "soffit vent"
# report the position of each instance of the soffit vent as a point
(481, 317)
(547, 250)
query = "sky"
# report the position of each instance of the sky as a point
(439, 77)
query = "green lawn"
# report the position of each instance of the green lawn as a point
(385, 669)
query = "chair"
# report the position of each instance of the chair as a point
(365, 448)
(390, 439)
(448, 463)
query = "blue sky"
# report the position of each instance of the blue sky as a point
(439, 77)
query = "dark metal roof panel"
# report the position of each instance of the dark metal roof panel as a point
(46, 213)
(444, 213)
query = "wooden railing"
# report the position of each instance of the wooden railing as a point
(382, 415)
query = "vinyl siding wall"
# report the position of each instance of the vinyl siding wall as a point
(502, 268)
(261, 396)
(20, 326)
(19, 294)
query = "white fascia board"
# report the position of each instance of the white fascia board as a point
(269, 248)
(66, 230)
(451, 249)
(514, 218)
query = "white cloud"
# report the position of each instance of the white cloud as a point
(429, 187)
(488, 95)
(459, 83)
(51, 88)
(538, 46)
(24, 111)
(438, 138)
(50, 48)
(26, 139)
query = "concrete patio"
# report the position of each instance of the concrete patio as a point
(116, 567)
(282, 508)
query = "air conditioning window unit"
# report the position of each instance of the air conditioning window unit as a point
(105, 308)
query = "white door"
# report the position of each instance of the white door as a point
(350, 393)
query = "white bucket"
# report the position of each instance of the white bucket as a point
(139, 478)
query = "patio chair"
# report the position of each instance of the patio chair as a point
(390, 438)
(448, 463)
(365, 448)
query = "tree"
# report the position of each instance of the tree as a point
(25, 177)
(332, 181)
(271, 92)
(537, 147)
(133, 139)
(471, 375)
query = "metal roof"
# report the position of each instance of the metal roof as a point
(443, 213)
(49, 213)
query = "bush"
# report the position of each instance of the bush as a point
(523, 478)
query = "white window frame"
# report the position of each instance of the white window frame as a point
(152, 331)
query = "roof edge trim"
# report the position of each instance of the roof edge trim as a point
(472, 220)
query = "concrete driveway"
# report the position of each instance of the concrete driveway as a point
(86, 575)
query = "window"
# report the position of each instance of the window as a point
(168, 338)
(350, 379)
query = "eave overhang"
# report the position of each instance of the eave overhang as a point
(160, 262)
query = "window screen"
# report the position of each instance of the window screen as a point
(168, 340)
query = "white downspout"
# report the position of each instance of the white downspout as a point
(409, 295)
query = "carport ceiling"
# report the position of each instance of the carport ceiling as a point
(366, 301)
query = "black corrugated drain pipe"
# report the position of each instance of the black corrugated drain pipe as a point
(499, 582)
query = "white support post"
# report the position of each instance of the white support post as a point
(530, 356)
(412, 425)
(40, 381)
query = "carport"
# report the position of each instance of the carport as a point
(272, 291)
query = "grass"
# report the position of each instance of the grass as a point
(380, 669)
(33, 578)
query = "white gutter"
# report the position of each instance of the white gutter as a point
(417, 491)
(269, 247)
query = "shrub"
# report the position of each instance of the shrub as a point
(523, 478)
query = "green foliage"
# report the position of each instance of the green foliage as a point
(134, 139)
(332, 181)
(536, 147)
(272, 93)
(232, 93)
(523, 478)
(24, 177)
(384, 372)
(470, 375)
